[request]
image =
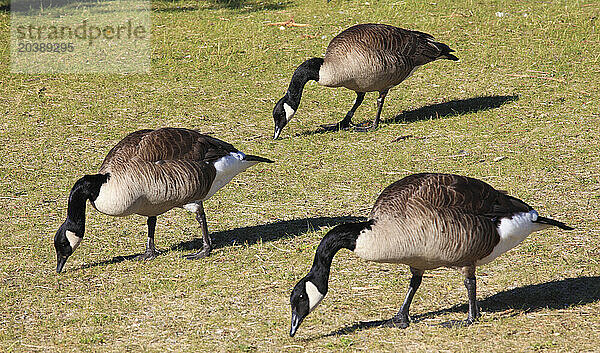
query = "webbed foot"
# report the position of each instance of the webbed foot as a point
(149, 254)
(342, 125)
(401, 321)
(362, 128)
(199, 255)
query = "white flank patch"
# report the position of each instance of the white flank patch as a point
(512, 232)
(289, 111)
(314, 296)
(74, 240)
(228, 167)
(192, 207)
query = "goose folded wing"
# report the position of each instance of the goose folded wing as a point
(471, 195)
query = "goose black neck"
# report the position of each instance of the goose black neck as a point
(86, 188)
(308, 70)
(340, 237)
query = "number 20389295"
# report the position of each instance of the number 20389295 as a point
(49, 47)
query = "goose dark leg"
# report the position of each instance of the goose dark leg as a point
(345, 123)
(375, 124)
(207, 246)
(401, 319)
(470, 283)
(151, 251)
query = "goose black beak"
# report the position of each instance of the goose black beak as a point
(60, 263)
(296, 321)
(276, 133)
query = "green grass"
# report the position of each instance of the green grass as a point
(218, 67)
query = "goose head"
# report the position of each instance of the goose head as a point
(66, 241)
(282, 114)
(304, 299)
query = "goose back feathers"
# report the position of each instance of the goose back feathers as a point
(432, 220)
(376, 57)
(153, 171)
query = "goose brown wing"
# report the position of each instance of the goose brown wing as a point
(181, 144)
(124, 149)
(389, 49)
(166, 144)
(421, 48)
(171, 164)
(409, 48)
(460, 213)
(375, 37)
(449, 191)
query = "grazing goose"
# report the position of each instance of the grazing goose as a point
(148, 173)
(425, 221)
(364, 58)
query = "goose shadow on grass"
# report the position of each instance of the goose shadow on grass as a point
(245, 235)
(552, 295)
(441, 110)
(452, 108)
(159, 6)
(239, 5)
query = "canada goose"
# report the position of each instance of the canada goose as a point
(364, 58)
(425, 221)
(148, 173)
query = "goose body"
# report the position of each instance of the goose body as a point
(148, 173)
(364, 58)
(426, 221)
(153, 171)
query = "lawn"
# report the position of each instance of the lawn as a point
(520, 110)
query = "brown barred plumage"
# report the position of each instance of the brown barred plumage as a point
(364, 58)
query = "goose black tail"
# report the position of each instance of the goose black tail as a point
(552, 222)
(252, 158)
(445, 54)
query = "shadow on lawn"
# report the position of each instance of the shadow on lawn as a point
(266, 232)
(451, 108)
(550, 295)
(441, 110)
(247, 235)
(239, 5)
(165, 5)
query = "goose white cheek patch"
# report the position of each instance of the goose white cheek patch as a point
(314, 296)
(289, 111)
(74, 240)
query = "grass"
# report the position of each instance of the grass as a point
(520, 110)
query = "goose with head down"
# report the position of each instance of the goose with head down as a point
(364, 58)
(425, 221)
(148, 173)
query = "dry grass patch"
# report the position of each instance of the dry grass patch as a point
(520, 110)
